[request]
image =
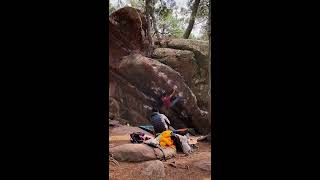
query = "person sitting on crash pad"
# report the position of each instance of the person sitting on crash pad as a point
(160, 122)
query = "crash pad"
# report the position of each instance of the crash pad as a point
(119, 138)
(148, 128)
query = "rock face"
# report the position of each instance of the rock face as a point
(152, 77)
(133, 105)
(200, 83)
(127, 33)
(200, 48)
(191, 67)
(182, 61)
(114, 123)
(114, 108)
(136, 81)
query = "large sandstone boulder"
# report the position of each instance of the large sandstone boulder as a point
(127, 33)
(132, 104)
(200, 83)
(199, 48)
(184, 62)
(152, 77)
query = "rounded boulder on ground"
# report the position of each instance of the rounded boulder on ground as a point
(154, 170)
(133, 153)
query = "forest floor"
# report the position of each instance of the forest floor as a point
(196, 166)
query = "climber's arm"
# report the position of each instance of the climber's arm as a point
(169, 124)
(171, 128)
(174, 90)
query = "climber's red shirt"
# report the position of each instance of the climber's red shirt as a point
(166, 101)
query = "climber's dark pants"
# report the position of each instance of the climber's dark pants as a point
(175, 101)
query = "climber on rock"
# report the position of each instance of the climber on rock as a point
(170, 100)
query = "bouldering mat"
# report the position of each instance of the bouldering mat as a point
(148, 128)
(119, 138)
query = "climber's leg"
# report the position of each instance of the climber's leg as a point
(175, 101)
(175, 110)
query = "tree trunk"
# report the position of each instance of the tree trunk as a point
(119, 3)
(148, 12)
(192, 19)
(163, 29)
(154, 21)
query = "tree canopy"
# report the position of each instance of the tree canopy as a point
(170, 19)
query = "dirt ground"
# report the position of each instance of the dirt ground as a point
(185, 169)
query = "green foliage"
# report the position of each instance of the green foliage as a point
(111, 8)
(168, 22)
(192, 36)
(202, 17)
(203, 10)
(139, 4)
(204, 35)
(171, 20)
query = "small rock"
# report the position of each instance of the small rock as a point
(154, 170)
(202, 138)
(209, 137)
(114, 123)
(203, 164)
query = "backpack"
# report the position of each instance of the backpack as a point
(136, 137)
(186, 148)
